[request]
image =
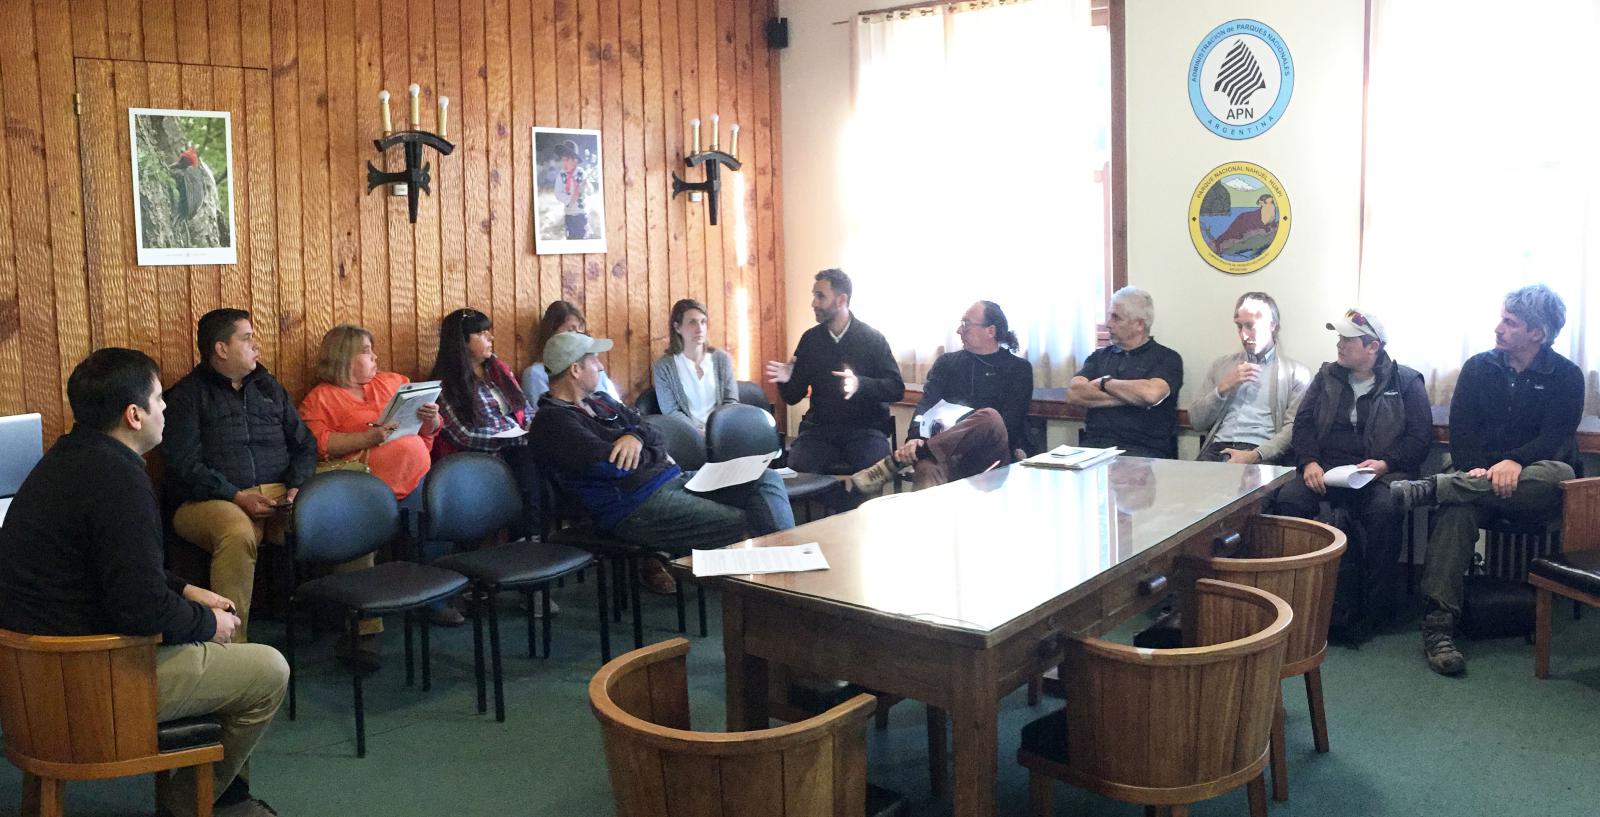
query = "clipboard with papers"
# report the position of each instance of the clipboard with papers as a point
(402, 408)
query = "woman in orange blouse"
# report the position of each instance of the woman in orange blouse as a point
(342, 410)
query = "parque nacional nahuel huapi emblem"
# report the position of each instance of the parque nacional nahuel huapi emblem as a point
(1239, 217)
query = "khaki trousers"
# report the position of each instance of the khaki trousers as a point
(241, 685)
(224, 530)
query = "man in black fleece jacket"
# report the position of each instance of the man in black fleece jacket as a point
(852, 377)
(1513, 439)
(81, 554)
(237, 453)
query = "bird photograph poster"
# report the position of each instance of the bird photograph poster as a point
(568, 210)
(182, 186)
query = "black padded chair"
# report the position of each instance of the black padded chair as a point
(743, 430)
(470, 497)
(684, 442)
(647, 403)
(340, 516)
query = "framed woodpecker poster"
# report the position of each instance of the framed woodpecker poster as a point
(182, 186)
(569, 214)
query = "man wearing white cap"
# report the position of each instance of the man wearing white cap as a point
(1365, 410)
(617, 467)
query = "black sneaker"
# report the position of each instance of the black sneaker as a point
(1415, 493)
(1439, 645)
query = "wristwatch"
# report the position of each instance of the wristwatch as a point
(1102, 382)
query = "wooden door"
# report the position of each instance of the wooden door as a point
(154, 309)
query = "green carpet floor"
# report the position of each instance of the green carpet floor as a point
(1404, 740)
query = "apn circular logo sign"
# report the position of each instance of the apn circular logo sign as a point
(1240, 79)
(1239, 217)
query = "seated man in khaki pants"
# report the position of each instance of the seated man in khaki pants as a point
(237, 453)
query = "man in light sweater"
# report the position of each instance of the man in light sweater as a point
(1247, 402)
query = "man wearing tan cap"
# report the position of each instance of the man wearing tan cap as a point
(616, 466)
(1365, 410)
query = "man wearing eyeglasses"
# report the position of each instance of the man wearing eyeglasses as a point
(1513, 439)
(1248, 401)
(1130, 388)
(1365, 410)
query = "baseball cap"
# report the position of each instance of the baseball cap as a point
(563, 350)
(1354, 324)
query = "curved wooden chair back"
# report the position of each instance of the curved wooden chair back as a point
(1166, 727)
(660, 767)
(84, 708)
(1296, 560)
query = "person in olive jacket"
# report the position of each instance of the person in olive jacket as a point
(237, 453)
(1366, 410)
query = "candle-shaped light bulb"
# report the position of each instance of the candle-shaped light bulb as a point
(733, 139)
(713, 131)
(444, 116)
(694, 124)
(416, 105)
(383, 108)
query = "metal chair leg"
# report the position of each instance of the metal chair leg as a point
(411, 674)
(677, 594)
(544, 602)
(495, 664)
(700, 601)
(288, 627)
(427, 658)
(633, 599)
(478, 673)
(354, 629)
(600, 592)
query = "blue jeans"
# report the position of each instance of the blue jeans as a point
(676, 520)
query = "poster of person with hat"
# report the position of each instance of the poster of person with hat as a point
(568, 206)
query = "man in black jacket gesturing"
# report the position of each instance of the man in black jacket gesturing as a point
(852, 377)
(237, 453)
(81, 554)
(1513, 439)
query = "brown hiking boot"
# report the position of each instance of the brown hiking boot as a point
(870, 480)
(1439, 645)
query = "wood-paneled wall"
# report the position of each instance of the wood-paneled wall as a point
(301, 79)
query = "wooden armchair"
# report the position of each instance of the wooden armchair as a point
(1166, 728)
(1575, 572)
(660, 768)
(1296, 560)
(84, 708)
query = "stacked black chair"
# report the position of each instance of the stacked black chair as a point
(344, 515)
(646, 403)
(686, 445)
(470, 497)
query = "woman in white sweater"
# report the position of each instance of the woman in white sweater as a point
(692, 378)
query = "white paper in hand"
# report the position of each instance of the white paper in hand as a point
(942, 415)
(714, 475)
(737, 561)
(1348, 476)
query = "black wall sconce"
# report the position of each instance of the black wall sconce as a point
(713, 161)
(416, 175)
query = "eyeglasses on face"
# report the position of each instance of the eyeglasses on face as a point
(966, 324)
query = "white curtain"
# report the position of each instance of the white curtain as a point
(970, 172)
(1483, 175)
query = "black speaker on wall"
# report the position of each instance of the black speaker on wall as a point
(778, 32)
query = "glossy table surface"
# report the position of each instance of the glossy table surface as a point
(976, 554)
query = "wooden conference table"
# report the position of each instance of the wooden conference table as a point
(957, 595)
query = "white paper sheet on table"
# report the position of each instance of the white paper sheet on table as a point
(746, 561)
(1348, 476)
(714, 475)
(1071, 458)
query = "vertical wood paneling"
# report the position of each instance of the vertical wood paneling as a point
(223, 27)
(615, 277)
(192, 22)
(345, 179)
(749, 272)
(634, 365)
(291, 359)
(591, 115)
(403, 317)
(515, 338)
(314, 249)
(545, 90)
(374, 233)
(30, 224)
(160, 31)
(475, 158)
(497, 53)
(655, 180)
(426, 233)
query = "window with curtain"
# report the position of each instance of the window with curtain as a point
(1482, 176)
(974, 168)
